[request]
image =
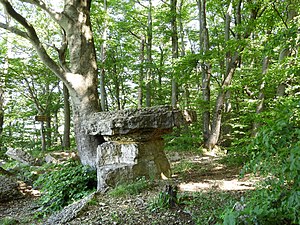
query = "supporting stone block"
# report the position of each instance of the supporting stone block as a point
(119, 162)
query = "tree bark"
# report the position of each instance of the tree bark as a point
(186, 91)
(232, 61)
(141, 74)
(261, 95)
(81, 76)
(82, 82)
(43, 136)
(205, 70)
(1, 110)
(103, 59)
(67, 119)
(291, 14)
(174, 37)
(149, 56)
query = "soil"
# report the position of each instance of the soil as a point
(192, 174)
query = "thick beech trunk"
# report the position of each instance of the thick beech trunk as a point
(82, 82)
(80, 76)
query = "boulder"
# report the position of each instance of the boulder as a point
(9, 189)
(22, 156)
(50, 159)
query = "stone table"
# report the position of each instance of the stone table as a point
(133, 144)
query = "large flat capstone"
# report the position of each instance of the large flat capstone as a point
(134, 143)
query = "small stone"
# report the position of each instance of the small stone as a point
(50, 159)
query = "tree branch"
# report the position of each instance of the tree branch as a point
(282, 19)
(14, 30)
(31, 35)
(62, 52)
(54, 15)
(33, 96)
(141, 4)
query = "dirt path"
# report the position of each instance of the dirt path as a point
(192, 174)
(206, 172)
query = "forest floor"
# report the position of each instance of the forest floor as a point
(206, 185)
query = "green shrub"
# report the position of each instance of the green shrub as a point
(165, 200)
(184, 139)
(8, 221)
(266, 206)
(275, 153)
(65, 184)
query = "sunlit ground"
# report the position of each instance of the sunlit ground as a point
(225, 185)
(213, 176)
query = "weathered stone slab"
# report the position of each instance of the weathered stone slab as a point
(141, 121)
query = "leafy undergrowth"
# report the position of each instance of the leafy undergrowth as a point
(142, 201)
(64, 184)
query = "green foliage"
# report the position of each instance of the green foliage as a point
(277, 144)
(8, 221)
(275, 155)
(234, 159)
(130, 188)
(266, 206)
(207, 206)
(184, 139)
(165, 199)
(65, 184)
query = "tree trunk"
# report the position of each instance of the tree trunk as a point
(103, 59)
(81, 77)
(1, 110)
(141, 75)
(82, 82)
(261, 95)
(232, 61)
(174, 36)
(149, 56)
(205, 70)
(291, 14)
(67, 119)
(116, 81)
(186, 91)
(43, 136)
(56, 124)
(48, 131)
